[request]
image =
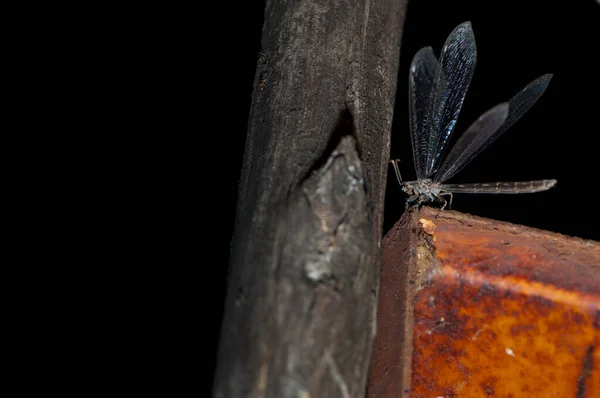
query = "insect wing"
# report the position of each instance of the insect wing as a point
(472, 141)
(481, 133)
(457, 65)
(423, 71)
(522, 101)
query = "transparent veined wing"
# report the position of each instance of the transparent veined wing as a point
(475, 140)
(457, 65)
(522, 101)
(423, 70)
(467, 146)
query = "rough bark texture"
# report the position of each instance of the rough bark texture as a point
(302, 290)
(473, 307)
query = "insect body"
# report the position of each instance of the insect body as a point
(436, 93)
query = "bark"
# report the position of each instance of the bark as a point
(302, 289)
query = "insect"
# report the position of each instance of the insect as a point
(437, 90)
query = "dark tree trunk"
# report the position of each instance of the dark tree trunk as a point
(302, 291)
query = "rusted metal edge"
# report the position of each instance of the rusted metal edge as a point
(388, 374)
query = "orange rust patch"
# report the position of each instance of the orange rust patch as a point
(493, 309)
(520, 313)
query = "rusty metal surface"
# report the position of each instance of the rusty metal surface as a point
(499, 310)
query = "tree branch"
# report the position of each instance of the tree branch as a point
(300, 313)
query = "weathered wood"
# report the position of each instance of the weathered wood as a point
(300, 313)
(487, 309)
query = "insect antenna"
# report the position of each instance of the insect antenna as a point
(397, 170)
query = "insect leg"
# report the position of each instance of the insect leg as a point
(441, 198)
(449, 194)
(410, 201)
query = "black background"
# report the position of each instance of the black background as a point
(517, 41)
